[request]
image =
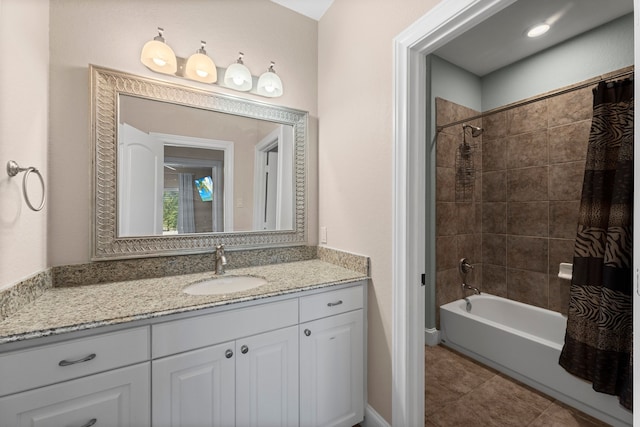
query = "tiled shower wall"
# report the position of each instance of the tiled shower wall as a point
(530, 167)
(458, 219)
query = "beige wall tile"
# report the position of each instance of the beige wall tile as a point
(494, 280)
(569, 143)
(570, 107)
(528, 218)
(528, 149)
(528, 184)
(494, 249)
(446, 219)
(494, 186)
(528, 253)
(563, 219)
(494, 154)
(445, 184)
(529, 287)
(527, 118)
(565, 181)
(494, 218)
(495, 125)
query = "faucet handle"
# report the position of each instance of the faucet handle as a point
(464, 266)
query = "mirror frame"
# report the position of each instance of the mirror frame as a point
(106, 86)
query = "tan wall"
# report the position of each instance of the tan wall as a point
(355, 104)
(111, 33)
(24, 99)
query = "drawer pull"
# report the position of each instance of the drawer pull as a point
(73, 362)
(333, 304)
(91, 422)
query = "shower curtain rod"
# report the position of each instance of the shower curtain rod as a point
(540, 98)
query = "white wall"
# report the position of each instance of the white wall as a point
(599, 51)
(24, 89)
(111, 33)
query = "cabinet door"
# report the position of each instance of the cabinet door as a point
(267, 379)
(196, 388)
(118, 398)
(332, 371)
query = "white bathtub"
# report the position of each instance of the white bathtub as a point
(524, 342)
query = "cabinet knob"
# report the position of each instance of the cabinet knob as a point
(307, 332)
(228, 354)
(244, 349)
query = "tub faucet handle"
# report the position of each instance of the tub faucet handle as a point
(464, 266)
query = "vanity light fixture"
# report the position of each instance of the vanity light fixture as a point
(238, 76)
(269, 84)
(158, 56)
(200, 66)
(538, 30)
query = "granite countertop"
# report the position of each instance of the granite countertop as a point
(67, 309)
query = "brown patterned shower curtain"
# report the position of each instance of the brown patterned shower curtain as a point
(598, 340)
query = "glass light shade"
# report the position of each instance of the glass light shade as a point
(159, 57)
(270, 85)
(200, 67)
(238, 77)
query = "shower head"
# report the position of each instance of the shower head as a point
(475, 130)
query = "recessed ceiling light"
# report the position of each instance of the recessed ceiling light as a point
(538, 30)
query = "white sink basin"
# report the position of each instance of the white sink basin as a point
(224, 285)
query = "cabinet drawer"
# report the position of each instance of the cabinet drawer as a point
(187, 334)
(116, 398)
(330, 303)
(48, 364)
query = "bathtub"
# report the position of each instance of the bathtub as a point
(523, 342)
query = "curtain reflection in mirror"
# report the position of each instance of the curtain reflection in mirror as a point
(186, 218)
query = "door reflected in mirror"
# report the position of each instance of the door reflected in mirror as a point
(184, 170)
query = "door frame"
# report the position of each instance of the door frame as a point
(227, 172)
(283, 139)
(413, 187)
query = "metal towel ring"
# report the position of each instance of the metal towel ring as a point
(13, 169)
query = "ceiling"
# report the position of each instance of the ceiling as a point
(314, 9)
(501, 39)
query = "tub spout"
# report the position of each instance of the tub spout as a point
(471, 288)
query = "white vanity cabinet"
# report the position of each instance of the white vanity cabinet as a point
(250, 380)
(280, 361)
(83, 382)
(332, 358)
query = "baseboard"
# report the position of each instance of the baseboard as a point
(431, 337)
(373, 419)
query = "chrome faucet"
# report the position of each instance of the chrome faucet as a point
(464, 267)
(472, 288)
(220, 259)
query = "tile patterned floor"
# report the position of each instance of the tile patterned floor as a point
(461, 392)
